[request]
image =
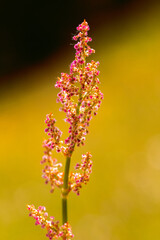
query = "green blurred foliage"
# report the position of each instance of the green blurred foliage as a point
(122, 200)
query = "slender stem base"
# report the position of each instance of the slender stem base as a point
(64, 210)
(65, 191)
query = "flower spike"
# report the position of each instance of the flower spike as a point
(80, 99)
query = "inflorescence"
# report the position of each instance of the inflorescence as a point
(80, 97)
(53, 229)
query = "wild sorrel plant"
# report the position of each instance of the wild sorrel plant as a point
(80, 98)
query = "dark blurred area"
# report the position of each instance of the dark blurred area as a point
(31, 31)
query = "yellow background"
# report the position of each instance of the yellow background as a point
(122, 199)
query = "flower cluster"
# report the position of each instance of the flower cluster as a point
(77, 179)
(51, 171)
(52, 174)
(80, 95)
(54, 231)
(54, 134)
(82, 48)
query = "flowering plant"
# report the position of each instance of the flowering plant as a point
(80, 98)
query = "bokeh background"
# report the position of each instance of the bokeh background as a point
(122, 199)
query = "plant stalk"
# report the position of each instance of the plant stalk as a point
(65, 191)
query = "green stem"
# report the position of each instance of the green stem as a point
(64, 210)
(65, 191)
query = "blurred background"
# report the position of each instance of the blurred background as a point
(122, 199)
